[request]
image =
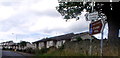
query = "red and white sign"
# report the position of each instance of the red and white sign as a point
(96, 27)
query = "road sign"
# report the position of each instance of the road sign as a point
(92, 16)
(96, 27)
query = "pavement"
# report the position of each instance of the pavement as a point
(13, 54)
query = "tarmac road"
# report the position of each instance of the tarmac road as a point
(11, 54)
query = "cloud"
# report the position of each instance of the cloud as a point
(6, 12)
(50, 12)
(16, 21)
(32, 20)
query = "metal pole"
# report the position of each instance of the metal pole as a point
(92, 5)
(16, 37)
(101, 50)
(90, 51)
(102, 34)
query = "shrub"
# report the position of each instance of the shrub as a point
(28, 50)
(43, 50)
(3, 48)
(62, 47)
(78, 38)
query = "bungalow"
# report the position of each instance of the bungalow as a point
(12, 45)
(83, 36)
(56, 41)
(60, 40)
(7, 44)
(40, 44)
(29, 45)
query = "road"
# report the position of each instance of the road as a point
(11, 54)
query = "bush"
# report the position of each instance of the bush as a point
(43, 50)
(78, 38)
(40, 51)
(3, 48)
(62, 47)
(28, 50)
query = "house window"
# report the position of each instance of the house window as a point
(63, 41)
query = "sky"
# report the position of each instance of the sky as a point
(32, 20)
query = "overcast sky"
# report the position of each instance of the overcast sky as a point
(32, 20)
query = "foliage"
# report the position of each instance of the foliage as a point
(71, 10)
(78, 38)
(41, 51)
(23, 43)
(62, 47)
(62, 53)
(29, 50)
(44, 50)
(108, 11)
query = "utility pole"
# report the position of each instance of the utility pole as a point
(101, 50)
(90, 49)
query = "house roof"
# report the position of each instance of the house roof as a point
(8, 42)
(61, 37)
(83, 34)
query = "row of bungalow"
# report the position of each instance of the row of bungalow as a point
(17, 46)
(56, 41)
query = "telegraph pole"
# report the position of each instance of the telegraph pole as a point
(90, 51)
(101, 50)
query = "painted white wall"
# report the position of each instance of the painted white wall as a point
(35, 45)
(41, 45)
(58, 44)
(86, 37)
(73, 39)
(49, 44)
(29, 45)
(63, 41)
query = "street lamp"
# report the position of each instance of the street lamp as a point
(16, 41)
(15, 36)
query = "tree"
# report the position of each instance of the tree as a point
(113, 21)
(78, 38)
(23, 43)
(111, 10)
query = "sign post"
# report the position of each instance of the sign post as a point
(98, 27)
(90, 51)
(101, 49)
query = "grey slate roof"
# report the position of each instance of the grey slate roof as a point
(61, 37)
